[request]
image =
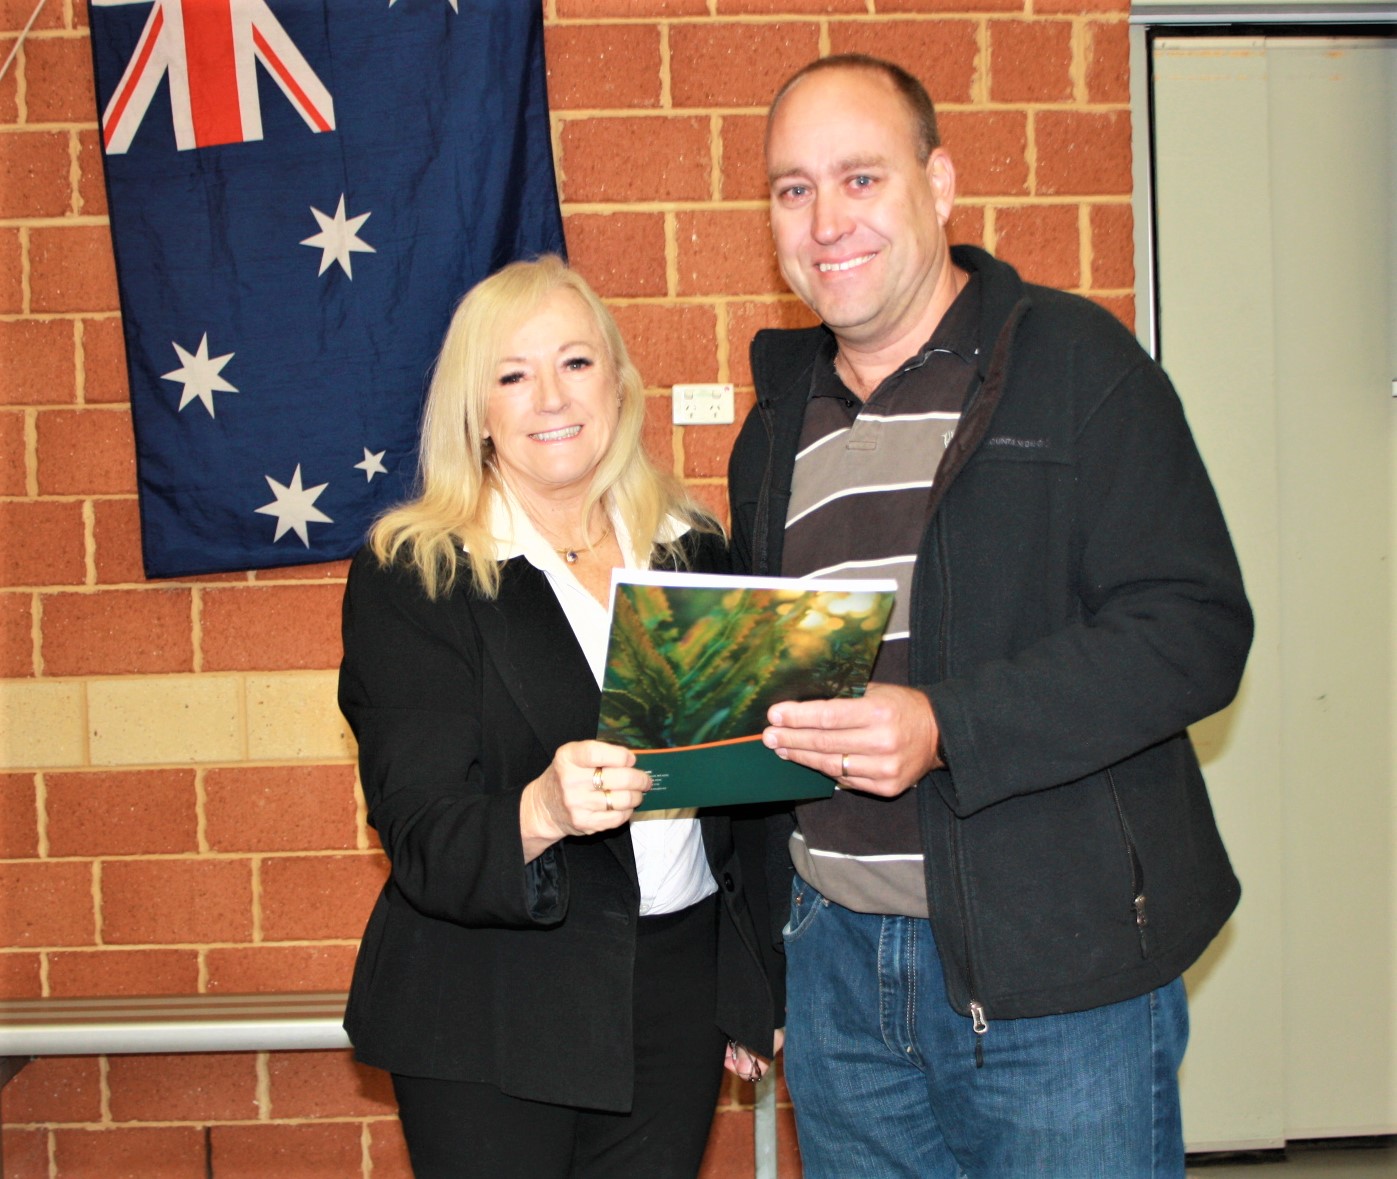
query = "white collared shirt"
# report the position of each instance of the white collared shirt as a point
(669, 856)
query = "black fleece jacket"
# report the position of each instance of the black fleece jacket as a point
(1076, 605)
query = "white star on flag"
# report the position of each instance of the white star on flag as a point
(199, 372)
(372, 465)
(294, 507)
(338, 238)
(453, 4)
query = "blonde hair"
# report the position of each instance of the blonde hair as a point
(456, 475)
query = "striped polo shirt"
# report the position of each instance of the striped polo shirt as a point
(859, 502)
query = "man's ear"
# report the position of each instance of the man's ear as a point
(941, 173)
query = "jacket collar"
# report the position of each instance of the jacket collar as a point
(1001, 292)
(526, 630)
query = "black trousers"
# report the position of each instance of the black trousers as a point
(464, 1130)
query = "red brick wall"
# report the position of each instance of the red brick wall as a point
(164, 827)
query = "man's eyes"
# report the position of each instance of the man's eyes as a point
(794, 193)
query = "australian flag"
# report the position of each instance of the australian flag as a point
(299, 192)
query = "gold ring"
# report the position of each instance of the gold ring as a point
(844, 766)
(606, 797)
(597, 783)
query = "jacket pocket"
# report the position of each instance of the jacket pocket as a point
(1139, 899)
(1047, 886)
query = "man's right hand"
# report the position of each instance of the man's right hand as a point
(882, 743)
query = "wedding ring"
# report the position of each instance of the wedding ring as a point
(606, 797)
(597, 783)
(844, 766)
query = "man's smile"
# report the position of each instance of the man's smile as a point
(852, 263)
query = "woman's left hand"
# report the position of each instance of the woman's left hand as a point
(745, 1064)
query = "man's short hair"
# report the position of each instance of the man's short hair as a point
(909, 89)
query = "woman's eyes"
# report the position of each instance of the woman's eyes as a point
(571, 364)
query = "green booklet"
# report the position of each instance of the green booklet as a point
(695, 660)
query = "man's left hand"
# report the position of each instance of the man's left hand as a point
(881, 743)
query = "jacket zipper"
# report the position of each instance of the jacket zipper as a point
(1137, 872)
(977, 1010)
(978, 1021)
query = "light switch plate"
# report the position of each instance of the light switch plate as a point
(702, 405)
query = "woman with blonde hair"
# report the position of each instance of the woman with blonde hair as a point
(551, 980)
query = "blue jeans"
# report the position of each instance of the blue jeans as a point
(885, 1081)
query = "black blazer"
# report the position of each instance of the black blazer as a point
(474, 966)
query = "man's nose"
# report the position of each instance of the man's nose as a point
(830, 218)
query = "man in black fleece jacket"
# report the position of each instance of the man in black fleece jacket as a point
(990, 918)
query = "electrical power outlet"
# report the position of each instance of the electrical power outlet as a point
(702, 405)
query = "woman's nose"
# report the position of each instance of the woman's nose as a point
(549, 394)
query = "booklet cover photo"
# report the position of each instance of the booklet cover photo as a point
(695, 660)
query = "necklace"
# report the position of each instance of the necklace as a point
(570, 553)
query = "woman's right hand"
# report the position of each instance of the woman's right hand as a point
(590, 786)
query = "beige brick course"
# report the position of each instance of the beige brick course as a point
(295, 717)
(166, 720)
(41, 724)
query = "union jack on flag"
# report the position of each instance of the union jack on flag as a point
(299, 192)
